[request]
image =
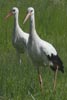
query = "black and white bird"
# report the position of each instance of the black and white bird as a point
(41, 52)
(19, 37)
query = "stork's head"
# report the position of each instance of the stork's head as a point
(13, 11)
(30, 12)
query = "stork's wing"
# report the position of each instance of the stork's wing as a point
(47, 48)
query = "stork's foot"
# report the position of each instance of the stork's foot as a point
(20, 61)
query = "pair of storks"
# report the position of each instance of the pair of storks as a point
(41, 52)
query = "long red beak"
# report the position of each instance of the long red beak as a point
(9, 14)
(26, 18)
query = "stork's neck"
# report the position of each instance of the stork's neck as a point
(16, 20)
(32, 24)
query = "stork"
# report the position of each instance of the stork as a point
(19, 37)
(41, 52)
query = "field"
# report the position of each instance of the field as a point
(20, 82)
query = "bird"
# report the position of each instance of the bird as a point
(41, 52)
(19, 37)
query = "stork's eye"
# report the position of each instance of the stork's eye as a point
(13, 10)
(31, 10)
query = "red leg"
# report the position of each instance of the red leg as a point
(55, 78)
(40, 80)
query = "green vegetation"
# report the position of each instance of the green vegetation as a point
(16, 81)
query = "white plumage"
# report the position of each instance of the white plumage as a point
(19, 37)
(40, 51)
(48, 48)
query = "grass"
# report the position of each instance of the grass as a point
(16, 81)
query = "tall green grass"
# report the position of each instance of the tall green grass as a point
(16, 81)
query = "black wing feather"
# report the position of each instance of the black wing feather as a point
(56, 62)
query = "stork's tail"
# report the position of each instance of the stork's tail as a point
(62, 69)
(57, 62)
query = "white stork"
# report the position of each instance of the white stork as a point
(19, 37)
(41, 52)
